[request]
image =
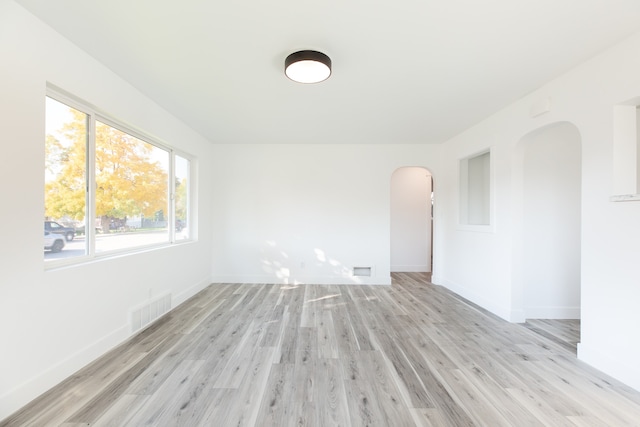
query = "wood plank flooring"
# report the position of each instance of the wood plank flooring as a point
(410, 354)
(565, 333)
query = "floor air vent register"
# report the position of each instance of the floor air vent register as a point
(145, 314)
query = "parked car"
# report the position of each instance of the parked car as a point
(53, 242)
(68, 232)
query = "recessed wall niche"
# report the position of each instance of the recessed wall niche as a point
(475, 189)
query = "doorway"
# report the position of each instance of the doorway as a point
(411, 220)
(551, 222)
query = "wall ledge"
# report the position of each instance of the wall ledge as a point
(625, 198)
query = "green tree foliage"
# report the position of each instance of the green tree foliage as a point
(130, 177)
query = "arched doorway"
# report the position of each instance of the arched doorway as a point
(411, 220)
(550, 228)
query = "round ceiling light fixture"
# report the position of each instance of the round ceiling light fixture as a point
(307, 66)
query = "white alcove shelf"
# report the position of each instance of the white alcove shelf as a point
(625, 198)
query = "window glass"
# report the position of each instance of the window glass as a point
(65, 181)
(131, 177)
(108, 188)
(475, 189)
(181, 191)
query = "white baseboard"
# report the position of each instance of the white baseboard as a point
(517, 316)
(16, 398)
(630, 375)
(411, 268)
(552, 312)
(40, 383)
(191, 291)
(354, 280)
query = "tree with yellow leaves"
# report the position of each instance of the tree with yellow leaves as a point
(130, 174)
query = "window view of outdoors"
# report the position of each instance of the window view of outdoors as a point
(130, 204)
(65, 179)
(131, 191)
(182, 197)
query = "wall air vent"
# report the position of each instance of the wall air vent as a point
(145, 314)
(362, 271)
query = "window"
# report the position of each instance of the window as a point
(131, 181)
(475, 189)
(109, 187)
(65, 175)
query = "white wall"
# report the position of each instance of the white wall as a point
(486, 266)
(411, 220)
(551, 218)
(299, 213)
(473, 260)
(54, 322)
(306, 213)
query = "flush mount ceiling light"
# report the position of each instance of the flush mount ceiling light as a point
(307, 66)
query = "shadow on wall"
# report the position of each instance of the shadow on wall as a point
(277, 263)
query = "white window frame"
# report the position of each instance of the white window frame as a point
(94, 115)
(463, 193)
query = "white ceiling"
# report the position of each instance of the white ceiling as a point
(404, 71)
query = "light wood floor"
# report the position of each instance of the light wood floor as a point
(273, 355)
(565, 333)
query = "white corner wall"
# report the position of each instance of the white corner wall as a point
(55, 322)
(482, 266)
(306, 213)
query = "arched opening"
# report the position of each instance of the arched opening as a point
(550, 228)
(411, 220)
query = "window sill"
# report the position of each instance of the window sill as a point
(61, 263)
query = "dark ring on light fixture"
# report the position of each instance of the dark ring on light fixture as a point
(312, 58)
